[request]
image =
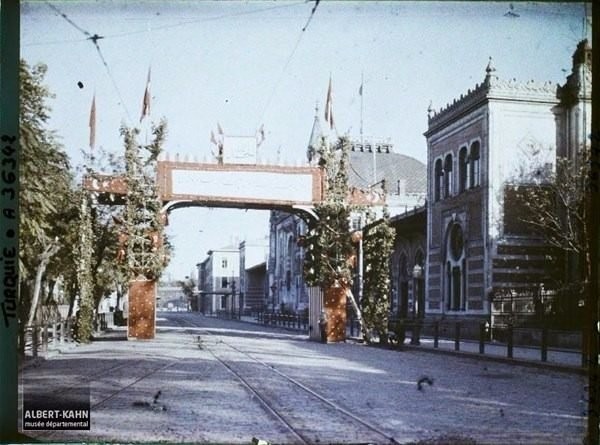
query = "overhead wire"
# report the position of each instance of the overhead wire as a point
(285, 66)
(161, 27)
(205, 19)
(94, 39)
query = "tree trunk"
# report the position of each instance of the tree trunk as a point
(358, 313)
(48, 253)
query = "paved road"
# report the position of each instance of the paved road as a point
(242, 381)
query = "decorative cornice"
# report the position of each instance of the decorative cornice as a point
(493, 88)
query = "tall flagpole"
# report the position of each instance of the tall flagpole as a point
(373, 150)
(362, 83)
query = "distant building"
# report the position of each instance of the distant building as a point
(218, 280)
(253, 277)
(169, 296)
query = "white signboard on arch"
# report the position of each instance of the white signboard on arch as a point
(239, 185)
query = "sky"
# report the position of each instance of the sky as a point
(243, 64)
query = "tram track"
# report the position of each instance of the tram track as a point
(297, 422)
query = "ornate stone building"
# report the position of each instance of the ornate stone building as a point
(480, 260)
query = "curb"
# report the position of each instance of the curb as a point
(489, 357)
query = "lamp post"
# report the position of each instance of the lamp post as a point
(417, 274)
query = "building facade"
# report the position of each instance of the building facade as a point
(253, 277)
(408, 264)
(218, 280)
(480, 259)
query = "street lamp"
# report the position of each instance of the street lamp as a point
(417, 274)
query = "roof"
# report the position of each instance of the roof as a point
(391, 166)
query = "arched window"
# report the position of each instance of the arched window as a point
(402, 286)
(448, 176)
(455, 288)
(437, 174)
(475, 165)
(462, 169)
(419, 284)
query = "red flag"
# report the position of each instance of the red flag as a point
(92, 123)
(146, 101)
(329, 106)
(212, 137)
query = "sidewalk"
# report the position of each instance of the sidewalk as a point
(563, 359)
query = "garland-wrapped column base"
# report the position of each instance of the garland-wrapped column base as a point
(335, 309)
(142, 310)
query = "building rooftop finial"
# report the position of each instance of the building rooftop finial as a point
(316, 108)
(430, 109)
(490, 68)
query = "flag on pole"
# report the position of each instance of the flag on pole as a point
(360, 90)
(212, 137)
(92, 123)
(219, 129)
(260, 137)
(146, 101)
(329, 107)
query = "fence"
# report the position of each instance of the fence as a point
(40, 338)
(292, 321)
(477, 337)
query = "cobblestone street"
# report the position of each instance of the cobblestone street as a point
(227, 382)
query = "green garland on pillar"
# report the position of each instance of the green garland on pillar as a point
(328, 244)
(146, 244)
(84, 273)
(378, 246)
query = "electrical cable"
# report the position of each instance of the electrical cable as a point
(285, 66)
(94, 39)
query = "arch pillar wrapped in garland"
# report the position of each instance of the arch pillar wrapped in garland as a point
(145, 249)
(334, 304)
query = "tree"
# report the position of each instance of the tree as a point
(46, 192)
(551, 204)
(187, 288)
